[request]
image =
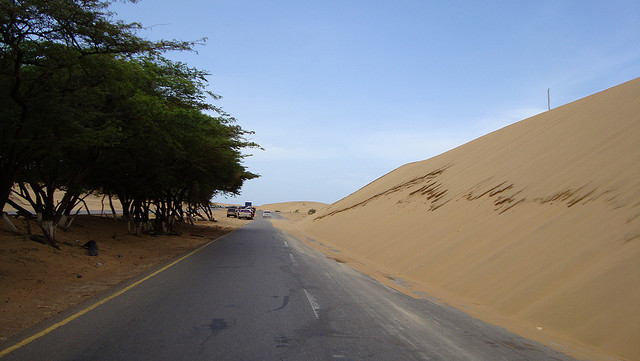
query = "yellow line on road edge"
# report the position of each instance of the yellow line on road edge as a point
(82, 312)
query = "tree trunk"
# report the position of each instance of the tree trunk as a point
(68, 225)
(63, 221)
(85, 207)
(9, 223)
(20, 210)
(126, 205)
(134, 227)
(48, 227)
(6, 184)
(171, 222)
(113, 210)
(207, 210)
(65, 205)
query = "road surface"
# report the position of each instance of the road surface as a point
(260, 294)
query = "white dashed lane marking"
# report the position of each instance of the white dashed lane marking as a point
(293, 259)
(314, 303)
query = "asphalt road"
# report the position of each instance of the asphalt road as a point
(260, 294)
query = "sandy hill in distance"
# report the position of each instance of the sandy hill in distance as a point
(535, 227)
(292, 207)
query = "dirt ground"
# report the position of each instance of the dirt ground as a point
(38, 281)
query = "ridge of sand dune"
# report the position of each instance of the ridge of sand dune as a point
(537, 223)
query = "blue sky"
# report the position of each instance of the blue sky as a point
(340, 93)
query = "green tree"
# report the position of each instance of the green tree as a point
(171, 153)
(71, 102)
(40, 40)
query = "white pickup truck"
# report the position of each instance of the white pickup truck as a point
(245, 213)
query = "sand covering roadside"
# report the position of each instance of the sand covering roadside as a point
(535, 227)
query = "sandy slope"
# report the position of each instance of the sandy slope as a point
(537, 223)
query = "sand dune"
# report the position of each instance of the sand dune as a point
(292, 207)
(535, 226)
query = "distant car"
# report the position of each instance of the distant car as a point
(232, 212)
(245, 213)
(266, 214)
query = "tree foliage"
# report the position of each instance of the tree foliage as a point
(87, 105)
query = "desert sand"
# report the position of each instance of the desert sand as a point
(302, 207)
(534, 227)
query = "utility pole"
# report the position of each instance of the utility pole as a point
(548, 98)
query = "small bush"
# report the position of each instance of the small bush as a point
(312, 211)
